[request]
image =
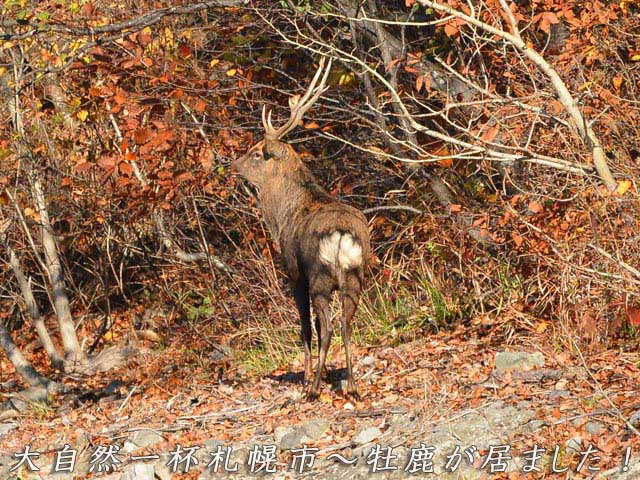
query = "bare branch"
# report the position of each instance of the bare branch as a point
(136, 23)
(564, 96)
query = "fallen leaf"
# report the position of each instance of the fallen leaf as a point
(617, 82)
(542, 327)
(517, 239)
(535, 207)
(125, 169)
(623, 186)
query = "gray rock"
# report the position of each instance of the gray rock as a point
(518, 361)
(594, 427)
(315, 429)
(160, 468)
(289, 437)
(494, 424)
(368, 361)
(7, 427)
(367, 435)
(616, 473)
(534, 425)
(574, 444)
(139, 471)
(146, 438)
(556, 395)
(212, 445)
(635, 418)
(129, 447)
(17, 404)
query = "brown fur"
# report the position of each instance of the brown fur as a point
(299, 214)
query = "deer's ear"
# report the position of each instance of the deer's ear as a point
(266, 153)
(272, 150)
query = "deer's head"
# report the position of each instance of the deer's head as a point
(271, 158)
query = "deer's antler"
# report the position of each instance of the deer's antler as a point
(298, 105)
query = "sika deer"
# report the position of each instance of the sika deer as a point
(324, 243)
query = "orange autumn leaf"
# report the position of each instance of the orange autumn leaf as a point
(546, 19)
(125, 169)
(200, 106)
(490, 134)
(535, 207)
(517, 239)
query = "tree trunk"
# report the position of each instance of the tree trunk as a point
(70, 342)
(32, 307)
(24, 369)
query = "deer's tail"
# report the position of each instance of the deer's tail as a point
(341, 251)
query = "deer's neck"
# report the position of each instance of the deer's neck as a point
(284, 201)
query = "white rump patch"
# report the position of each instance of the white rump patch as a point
(340, 250)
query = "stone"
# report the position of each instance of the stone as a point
(635, 418)
(161, 470)
(315, 429)
(594, 427)
(212, 444)
(146, 438)
(129, 447)
(574, 444)
(368, 361)
(557, 395)
(7, 427)
(367, 435)
(521, 361)
(494, 424)
(289, 437)
(139, 471)
(534, 425)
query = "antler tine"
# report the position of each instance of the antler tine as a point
(265, 125)
(269, 129)
(314, 80)
(298, 109)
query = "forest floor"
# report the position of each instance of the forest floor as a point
(455, 387)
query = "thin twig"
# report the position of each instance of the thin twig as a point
(624, 265)
(616, 410)
(382, 208)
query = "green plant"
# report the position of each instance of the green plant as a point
(272, 347)
(202, 310)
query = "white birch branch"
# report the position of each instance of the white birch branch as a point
(583, 128)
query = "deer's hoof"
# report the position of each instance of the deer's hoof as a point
(354, 396)
(352, 392)
(311, 393)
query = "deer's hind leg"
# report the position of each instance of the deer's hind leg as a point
(322, 310)
(325, 372)
(301, 294)
(349, 296)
